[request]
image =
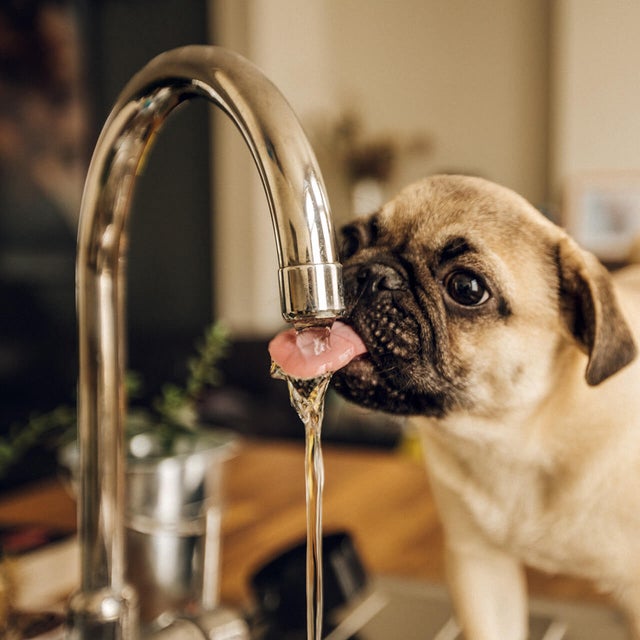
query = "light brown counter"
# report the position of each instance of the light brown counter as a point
(382, 498)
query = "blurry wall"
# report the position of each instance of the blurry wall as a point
(596, 107)
(473, 75)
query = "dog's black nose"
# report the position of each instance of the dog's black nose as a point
(377, 277)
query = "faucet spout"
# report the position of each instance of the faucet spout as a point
(309, 278)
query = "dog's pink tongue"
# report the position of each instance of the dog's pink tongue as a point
(315, 351)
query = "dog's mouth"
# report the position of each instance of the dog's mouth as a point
(390, 333)
(388, 389)
(391, 376)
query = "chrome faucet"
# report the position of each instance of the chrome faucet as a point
(105, 606)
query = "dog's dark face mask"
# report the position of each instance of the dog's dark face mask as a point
(395, 305)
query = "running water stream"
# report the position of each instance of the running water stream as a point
(307, 398)
(306, 358)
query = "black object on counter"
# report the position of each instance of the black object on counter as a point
(279, 586)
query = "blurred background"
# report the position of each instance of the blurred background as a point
(538, 95)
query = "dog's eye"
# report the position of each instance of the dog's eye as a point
(466, 288)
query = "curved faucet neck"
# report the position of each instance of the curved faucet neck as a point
(309, 276)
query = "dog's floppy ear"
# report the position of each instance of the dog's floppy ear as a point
(591, 312)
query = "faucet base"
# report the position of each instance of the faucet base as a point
(103, 615)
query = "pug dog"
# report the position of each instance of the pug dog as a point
(514, 353)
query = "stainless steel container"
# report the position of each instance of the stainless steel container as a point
(172, 521)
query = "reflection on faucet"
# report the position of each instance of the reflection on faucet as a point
(105, 607)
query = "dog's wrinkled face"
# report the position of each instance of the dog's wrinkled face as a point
(459, 290)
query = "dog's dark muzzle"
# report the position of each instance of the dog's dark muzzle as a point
(398, 373)
(379, 302)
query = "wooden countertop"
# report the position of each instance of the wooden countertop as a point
(382, 498)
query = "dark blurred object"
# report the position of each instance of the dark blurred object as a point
(280, 586)
(43, 127)
(169, 285)
(16, 539)
(62, 65)
(27, 625)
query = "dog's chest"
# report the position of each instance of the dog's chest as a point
(520, 517)
(520, 508)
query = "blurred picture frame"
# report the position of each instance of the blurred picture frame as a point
(602, 213)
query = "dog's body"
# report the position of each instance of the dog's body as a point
(513, 351)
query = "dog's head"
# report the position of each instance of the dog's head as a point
(467, 298)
